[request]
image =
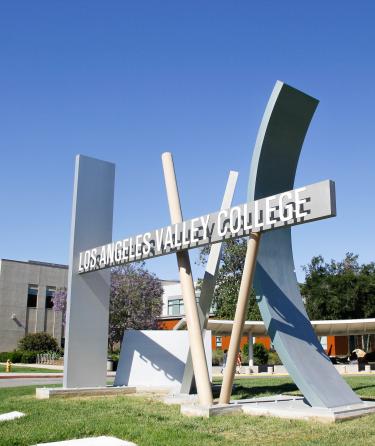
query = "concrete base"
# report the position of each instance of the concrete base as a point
(11, 416)
(296, 408)
(197, 410)
(281, 406)
(48, 392)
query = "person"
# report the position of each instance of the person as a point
(238, 363)
(224, 361)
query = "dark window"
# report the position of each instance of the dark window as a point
(49, 296)
(32, 296)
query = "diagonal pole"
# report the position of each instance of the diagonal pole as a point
(240, 316)
(209, 281)
(198, 355)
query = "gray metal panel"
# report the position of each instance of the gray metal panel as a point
(273, 167)
(88, 295)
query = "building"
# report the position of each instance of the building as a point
(26, 292)
(27, 288)
(338, 338)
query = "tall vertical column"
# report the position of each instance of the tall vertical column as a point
(251, 349)
(88, 294)
(40, 324)
(198, 355)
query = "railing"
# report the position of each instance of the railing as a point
(51, 358)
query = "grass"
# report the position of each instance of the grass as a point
(148, 422)
(21, 369)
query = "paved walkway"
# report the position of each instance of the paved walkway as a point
(11, 382)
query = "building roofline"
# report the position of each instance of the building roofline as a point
(37, 263)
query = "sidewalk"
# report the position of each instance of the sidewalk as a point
(58, 374)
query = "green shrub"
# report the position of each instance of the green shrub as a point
(217, 357)
(38, 342)
(4, 356)
(245, 350)
(260, 354)
(15, 356)
(273, 359)
(29, 357)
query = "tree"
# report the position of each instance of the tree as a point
(135, 302)
(229, 280)
(59, 302)
(339, 290)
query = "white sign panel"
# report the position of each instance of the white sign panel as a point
(302, 205)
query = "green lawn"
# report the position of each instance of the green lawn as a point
(17, 369)
(147, 422)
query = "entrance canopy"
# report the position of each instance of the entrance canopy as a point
(344, 327)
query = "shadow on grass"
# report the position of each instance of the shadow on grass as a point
(242, 391)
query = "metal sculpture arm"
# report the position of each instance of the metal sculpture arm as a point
(273, 167)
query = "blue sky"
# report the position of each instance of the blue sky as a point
(125, 81)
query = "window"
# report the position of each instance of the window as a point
(175, 307)
(323, 341)
(219, 342)
(49, 296)
(32, 296)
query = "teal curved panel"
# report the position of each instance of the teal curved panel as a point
(273, 167)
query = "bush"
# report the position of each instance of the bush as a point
(260, 354)
(4, 356)
(28, 357)
(273, 359)
(15, 356)
(217, 357)
(38, 342)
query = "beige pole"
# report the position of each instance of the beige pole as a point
(198, 355)
(240, 316)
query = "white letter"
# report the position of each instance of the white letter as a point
(138, 245)
(176, 243)
(118, 251)
(102, 257)
(300, 203)
(110, 253)
(220, 226)
(159, 239)
(131, 247)
(168, 238)
(288, 207)
(146, 241)
(184, 240)
(205, 226)
(93, 259)
(269, 210)
(125, 249)
(232, 218)
(246, 218)
(257, 223)
(80, 267)
(194, 230)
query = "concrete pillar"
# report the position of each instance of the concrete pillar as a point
(251, 349)
(41, 309)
